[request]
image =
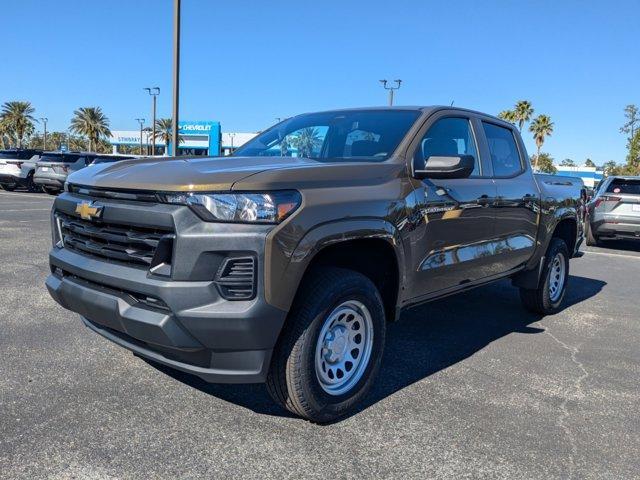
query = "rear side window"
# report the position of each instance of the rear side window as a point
(504, 152)
(448, 137)
(625, 186)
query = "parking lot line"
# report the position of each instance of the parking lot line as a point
(27, 210)
(23, 195)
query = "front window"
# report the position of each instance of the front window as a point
(369, 135)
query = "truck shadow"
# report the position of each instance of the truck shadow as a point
(427, 339)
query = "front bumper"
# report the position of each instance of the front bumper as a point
(189, 326)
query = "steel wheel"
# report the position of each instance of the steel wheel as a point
(557, 276)
(344, 347)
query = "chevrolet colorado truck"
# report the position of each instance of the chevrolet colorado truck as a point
(283, 263)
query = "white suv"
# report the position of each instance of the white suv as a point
(17, 167)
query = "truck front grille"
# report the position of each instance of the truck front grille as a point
(121, 243)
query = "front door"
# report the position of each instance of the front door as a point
(456, 220)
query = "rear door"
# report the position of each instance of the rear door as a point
(518, 199)
(449, 246)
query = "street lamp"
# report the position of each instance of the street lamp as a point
(391, 89)
(154, 92)
(44, 141)
(232, 135)
(176, 75)
(141, 122)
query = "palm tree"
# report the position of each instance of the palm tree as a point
(523, 112)
(508, 116)
(91, 123)
(307, 140)
(17, 119)
(5, 134)
(164, 132)
(541, 127)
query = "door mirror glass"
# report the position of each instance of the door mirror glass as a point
(454, 166)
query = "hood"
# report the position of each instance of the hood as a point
(178, 173)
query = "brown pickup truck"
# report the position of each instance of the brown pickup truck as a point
(283, 263)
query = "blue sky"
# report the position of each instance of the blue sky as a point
(246, 62)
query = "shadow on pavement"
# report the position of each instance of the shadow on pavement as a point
(427, 339)
(624, 245)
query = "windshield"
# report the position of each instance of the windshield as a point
(349, 135)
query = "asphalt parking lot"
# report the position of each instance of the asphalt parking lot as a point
(471, 386)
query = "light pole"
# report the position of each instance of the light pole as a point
(232, 135)
(176, 75)
(154, 92)
(141, 122)
(44, 120)
(391, 89)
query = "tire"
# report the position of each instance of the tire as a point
(32, 187)
(591, 239)
(51, 191)
(8, 187)
(328, 303)
(546, 299)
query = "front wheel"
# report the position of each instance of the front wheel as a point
(331, 348)
(547, 298)
(8, 187)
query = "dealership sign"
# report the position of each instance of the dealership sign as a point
(195, 134)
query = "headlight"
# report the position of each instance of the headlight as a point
(250, 207)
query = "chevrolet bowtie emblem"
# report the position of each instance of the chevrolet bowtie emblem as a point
(87, 211)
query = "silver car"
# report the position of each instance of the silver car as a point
(614, 210)
(54, 167)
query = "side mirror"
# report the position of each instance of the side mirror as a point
(459, 166)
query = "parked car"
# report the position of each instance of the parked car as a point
(283, 263)
(17, 167)
(53, 167)
(614, 210)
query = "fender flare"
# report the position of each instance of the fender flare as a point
(323, 236)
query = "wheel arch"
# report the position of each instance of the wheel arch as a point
(369, 246)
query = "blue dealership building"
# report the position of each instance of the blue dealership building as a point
(199, 137)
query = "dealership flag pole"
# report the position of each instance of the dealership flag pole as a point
(176, 75)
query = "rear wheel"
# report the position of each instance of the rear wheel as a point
(547, 298)
(51, 191)
(331, 348)
(8, 187)
(31, 186)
